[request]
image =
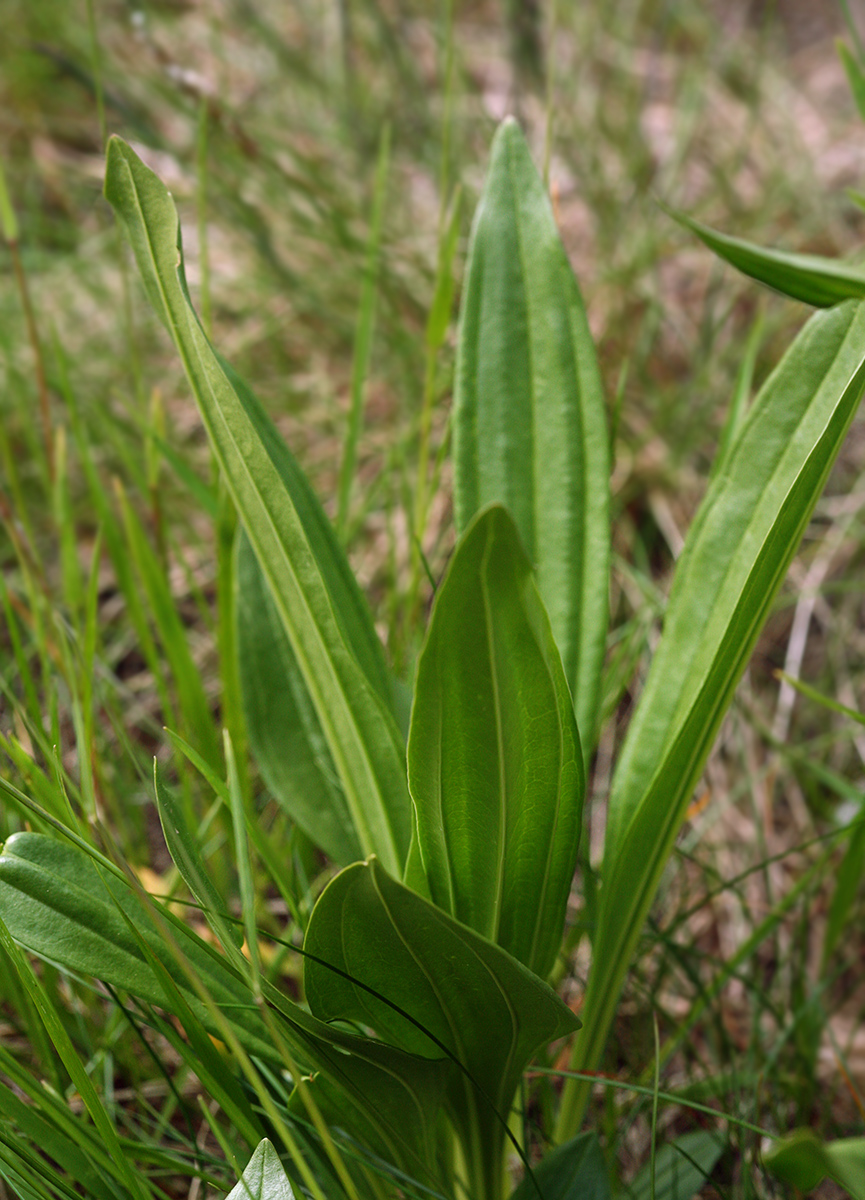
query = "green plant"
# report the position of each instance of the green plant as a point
(441, 941)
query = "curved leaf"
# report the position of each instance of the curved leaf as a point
(529, 421)
(286, 526)
(803, 1160)
(57, 904)
(484, 1007)
(811, 278)
(736, 556)
(495, 768)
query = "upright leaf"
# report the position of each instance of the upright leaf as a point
(495, 767)
(681, 1168)
(283, 727)
(264, 1177)
(529, 422)
(455, 990)
(294, 546)
(736, 556)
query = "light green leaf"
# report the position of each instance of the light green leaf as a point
(574, 1171)
(284, 731)
(264, 1177)
(529, 422)
(811, 278)
(452, 989)
(681, 1168)
(736, 556)
(495, 767)
(297, 552)
(803, 1160)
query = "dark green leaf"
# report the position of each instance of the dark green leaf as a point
(574, 1171)
(681, 1168)
(455, 990)
(495, 767)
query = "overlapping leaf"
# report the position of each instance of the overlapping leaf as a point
(56, 903)
(736, 555)
(310, 582)
(529, 422)
(450, 987)
(495, 767)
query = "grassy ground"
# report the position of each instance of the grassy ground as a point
(265, 121)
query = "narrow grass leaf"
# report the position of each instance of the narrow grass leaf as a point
(822, 282)
(321, 611)
(495, 766)
(529, 422)
(183, 846)
(736, 556)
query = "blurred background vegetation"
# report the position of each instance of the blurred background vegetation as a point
(265, 119)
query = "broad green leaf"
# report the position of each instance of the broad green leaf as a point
(529, 422)
(736, 556)
(56, 904)
(309, 578)
(574, 1171)
(284, 731)
(263, 1178)
(385, 946)
(495, 767)
(803, 1160)
(811, 278)
(681, 1168)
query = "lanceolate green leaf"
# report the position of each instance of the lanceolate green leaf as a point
(822, 282)
(306, 575)
(735, 558)
(574, 1171)
(484, 1007)
(495, 767)
(56, 904)
(680, 1169)
(264, 1177)
(529, 422)
(284, 730)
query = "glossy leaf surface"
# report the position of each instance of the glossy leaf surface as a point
(736, 556)
(822, 282)
(454, 988)
(529, 421)
(263, 1178)
(320, 609)
(495, 767)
